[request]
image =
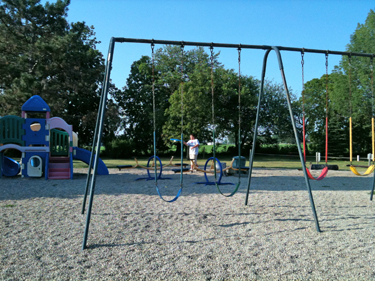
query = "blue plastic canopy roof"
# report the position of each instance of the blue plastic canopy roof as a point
(36, 103)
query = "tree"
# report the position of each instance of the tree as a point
(135, 99)
(226, 103)
(356, 72)
(41, 53)
(315, 111)
(198, 106)
(276, 123)
(136, 103)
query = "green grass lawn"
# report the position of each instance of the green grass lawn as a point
(260, 161)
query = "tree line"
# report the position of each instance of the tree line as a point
(41, 53)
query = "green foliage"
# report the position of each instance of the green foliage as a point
(283, 149)
(120, 148)
(41, 53)
(275, 118)
(136, 99)
(198, 106)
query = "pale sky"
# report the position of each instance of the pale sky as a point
(311, 24)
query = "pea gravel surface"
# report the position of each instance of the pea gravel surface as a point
(134, 235)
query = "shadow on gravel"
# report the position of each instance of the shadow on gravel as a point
(117, 184)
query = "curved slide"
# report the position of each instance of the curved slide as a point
(10, 167)
(84, 155)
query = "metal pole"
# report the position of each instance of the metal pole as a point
(297, 139)
(99, 137)
(252, 151)
(373, 187)
(92, 153)
(1, 163)
(243, 46)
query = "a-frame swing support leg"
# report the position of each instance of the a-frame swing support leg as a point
(294, 130)
(373, 186)
(88, 179)
(98, 138)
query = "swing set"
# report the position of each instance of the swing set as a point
(91, 174)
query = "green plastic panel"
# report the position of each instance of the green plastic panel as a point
(11, 130)
(59, 143)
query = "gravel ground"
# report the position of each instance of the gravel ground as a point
(134, 235)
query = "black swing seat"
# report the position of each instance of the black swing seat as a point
(124, 167)
(321, 167)
(179, 170)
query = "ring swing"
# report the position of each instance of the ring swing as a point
(324, 172)
(218, 182)
(154, 124)
(352, 167)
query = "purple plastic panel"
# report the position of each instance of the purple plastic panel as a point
(25, 148)
(59, 123)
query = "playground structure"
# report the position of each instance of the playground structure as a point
(48, 145)
(277, 49)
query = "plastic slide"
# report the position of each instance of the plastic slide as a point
(84, 155)
(10, 167)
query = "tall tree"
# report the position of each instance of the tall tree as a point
(198, 106)
(171, 68)
(276, 123)
(41, 53)
(355, 72)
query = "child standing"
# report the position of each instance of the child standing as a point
(193, 145)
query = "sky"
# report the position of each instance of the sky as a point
(315, 24)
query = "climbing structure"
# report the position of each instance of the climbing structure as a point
(48, 145)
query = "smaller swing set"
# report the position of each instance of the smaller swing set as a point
(370, 168)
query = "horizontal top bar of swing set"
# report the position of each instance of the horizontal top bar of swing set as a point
(242, 46)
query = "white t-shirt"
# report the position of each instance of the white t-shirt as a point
(191, 143)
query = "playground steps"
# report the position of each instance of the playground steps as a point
(59, 168)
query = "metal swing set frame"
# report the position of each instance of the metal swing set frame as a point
(94, 160)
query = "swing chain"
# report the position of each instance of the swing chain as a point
(327, 84)
(303, 80)
(212, 85)
(182, 107)
(239, 87)
(350, 82)
(372, 83)
(154, 108)
(153, 82)
(213, 109)
(239, 112)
